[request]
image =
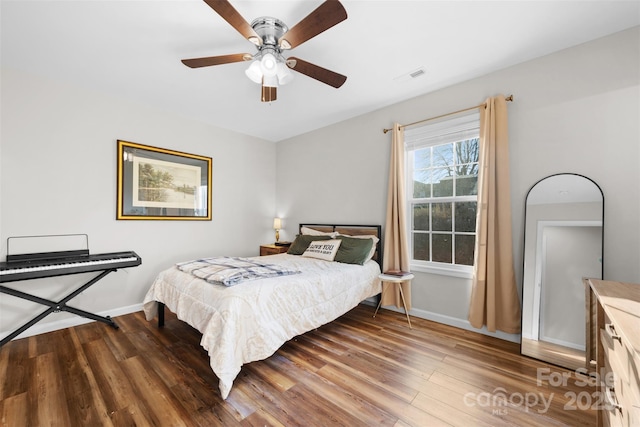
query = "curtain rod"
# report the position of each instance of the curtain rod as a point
(508, 98)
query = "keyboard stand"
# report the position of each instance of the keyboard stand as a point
(56, 306)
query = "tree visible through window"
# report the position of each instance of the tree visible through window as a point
(442, 196)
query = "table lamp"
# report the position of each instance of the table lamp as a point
(277, 225)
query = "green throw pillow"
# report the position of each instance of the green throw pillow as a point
(353, 250)
(302, 242)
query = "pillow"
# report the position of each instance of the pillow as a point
(311, 232)
(354, 250)
(323, 249)
(366, 236)
(301, 243)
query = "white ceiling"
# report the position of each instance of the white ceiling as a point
(132, 49)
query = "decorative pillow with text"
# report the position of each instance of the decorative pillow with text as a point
(323, 249)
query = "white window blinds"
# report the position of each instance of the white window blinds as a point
(450, 130)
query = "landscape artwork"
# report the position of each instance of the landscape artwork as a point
(161, 184)
(164, 184)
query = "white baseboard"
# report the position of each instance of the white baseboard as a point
(423, 314)
(454, 321)
(71, 321)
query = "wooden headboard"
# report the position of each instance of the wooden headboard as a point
(352, 230)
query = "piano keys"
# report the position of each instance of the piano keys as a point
(59, 265)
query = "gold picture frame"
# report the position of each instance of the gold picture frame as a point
(160, 184)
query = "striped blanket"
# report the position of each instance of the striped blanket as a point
(230, 271)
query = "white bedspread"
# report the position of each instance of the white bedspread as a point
(250, 321)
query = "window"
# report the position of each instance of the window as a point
(442, 194)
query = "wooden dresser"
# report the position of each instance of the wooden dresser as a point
(613, 349)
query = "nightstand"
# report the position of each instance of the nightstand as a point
(397, 281)
(274, 249)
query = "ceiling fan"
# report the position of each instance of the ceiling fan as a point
(271, 37)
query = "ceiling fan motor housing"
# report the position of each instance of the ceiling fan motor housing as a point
(270, 30)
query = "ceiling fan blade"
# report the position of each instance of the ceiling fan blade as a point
(328, 14)
(316, 72)
(217, 60)
(231, 15)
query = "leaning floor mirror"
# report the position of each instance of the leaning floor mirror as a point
(563, 240)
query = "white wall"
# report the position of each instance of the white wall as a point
(574, 111)
(58, 175)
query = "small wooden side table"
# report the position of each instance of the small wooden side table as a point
(273, 249)
(397, 280)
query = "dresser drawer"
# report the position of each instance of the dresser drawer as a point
(632, 394)
(614, 350)
(619, 381)
(612, 408)
(616, 322)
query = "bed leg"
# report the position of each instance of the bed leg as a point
(160, 315)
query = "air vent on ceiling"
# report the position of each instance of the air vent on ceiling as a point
(411, 75)
(417, 73)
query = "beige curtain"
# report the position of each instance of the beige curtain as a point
(494, 297)
(396, 252)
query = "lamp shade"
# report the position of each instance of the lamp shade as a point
(254, 72)
(284, 74)
(269, 64)
(277, 223)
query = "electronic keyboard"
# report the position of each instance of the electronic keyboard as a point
(52, 264)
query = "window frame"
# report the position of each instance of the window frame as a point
(434, 137)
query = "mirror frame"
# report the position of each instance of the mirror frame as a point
(524, 247)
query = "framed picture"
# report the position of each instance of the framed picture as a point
(156, 183)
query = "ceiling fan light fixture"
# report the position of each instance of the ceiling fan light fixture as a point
(269, 64)
(284, 74)
(254, 72)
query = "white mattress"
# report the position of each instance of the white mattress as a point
(250, 321)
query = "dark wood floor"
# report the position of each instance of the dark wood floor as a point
(355, 371)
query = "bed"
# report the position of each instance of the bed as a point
(248, 321)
